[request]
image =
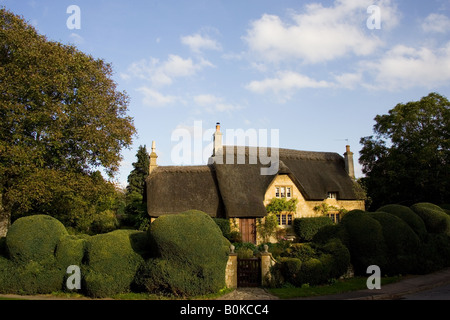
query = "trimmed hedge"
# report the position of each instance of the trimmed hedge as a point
(306, 228)
(410, 217)
(401, 242)
(435, 218)
(111, 263)
(190, 255)
(365, 241)
(311, 263)
(34, 238)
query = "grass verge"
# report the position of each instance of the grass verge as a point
(339, 286)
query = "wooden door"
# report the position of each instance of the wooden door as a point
(247, 227)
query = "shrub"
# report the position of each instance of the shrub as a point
(302, 251)
(401, 242)
(190, 250)
(434, 253)
(71, 250)
(329, 232)
(365, 241)
(406, 214)
(306, 228)
(435, 219)
(312, 272)
(224, 225)
(337, 258)
(111, 262)
(287, 270)
(34, 238)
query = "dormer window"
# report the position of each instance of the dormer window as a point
(332, 195)
(283, 192)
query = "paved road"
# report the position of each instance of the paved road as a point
(438, 293)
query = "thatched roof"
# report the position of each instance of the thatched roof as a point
(171, 190)
(234, 185)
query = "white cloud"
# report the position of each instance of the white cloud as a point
(319, 33)
(76, 38)
(164, 73)
(286, 81)
(153, 98)
(436, 23)
(407, 67)
(211, 103)
(197, 43)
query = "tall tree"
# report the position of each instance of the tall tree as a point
(136, 208)
(62, 117)
(408, 160)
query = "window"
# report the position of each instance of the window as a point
(284, 219)
(288, 192)
(332, 195)
(283, 192)
(334, 217)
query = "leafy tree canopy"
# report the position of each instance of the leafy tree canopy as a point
(62, 118)
(408, 159)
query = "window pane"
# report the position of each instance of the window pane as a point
(289, 219)
(283, 192)
(283, 219)
(288, 192)
(277, 192)
(278, 219)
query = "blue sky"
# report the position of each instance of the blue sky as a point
(311, 69)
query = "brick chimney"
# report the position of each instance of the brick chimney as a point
(153, 158)
(217, 138)
(348, 158)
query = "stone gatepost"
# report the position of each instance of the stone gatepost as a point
(231, 270)
(267, 261)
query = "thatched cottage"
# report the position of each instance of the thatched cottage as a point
(237, 190)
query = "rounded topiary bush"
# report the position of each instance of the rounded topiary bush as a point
(34, 238)
(337, 258)
(435, 219)
(192, 250)
(406, 214)
(365, 241)
(306, 228)
(401, 242)
(71, 249)
(111, 262)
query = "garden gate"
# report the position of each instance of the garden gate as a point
(249, 272)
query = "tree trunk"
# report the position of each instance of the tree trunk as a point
(5, 219)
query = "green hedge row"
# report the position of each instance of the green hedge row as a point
(183, 254)
(311, 263)
(397, 238)
(306, 228)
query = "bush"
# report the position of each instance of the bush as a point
(224, 225)
(435, 218)
(406, 214)
(340, 258)
(34, 238)
(365, 241)
(302, 251)
(434, 253)
(190, 251)
(401, 242)
(112, 262)
(306, 228)
(71, 250)
(329, 232)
